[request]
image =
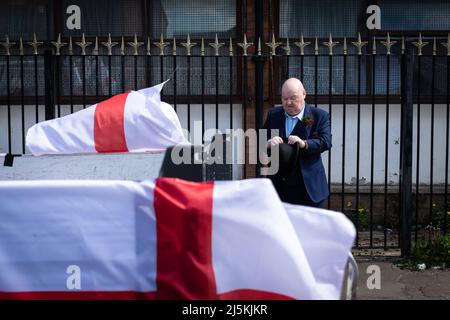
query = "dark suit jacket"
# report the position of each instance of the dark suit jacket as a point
(318, 137)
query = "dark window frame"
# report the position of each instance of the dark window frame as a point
(57, 28)
(367, 35)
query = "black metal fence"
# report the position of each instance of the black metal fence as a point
(392, 90)
(388, 100)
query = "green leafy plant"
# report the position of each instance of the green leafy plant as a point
(441, 217)
(432, 251)
(359, 217)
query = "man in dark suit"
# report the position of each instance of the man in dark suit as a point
(307, 128)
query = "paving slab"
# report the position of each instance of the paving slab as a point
(398, 284)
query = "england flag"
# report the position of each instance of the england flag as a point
(134, 121)
(167, 239)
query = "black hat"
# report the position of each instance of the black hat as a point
(287, 157)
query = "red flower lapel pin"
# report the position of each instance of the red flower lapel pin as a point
(307, 121)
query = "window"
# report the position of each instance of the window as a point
(320, 18)
(24, 17)
(33, 74)
(100, 17)
(347, 18)
(201, 18)
(415, 15)
(18, 19)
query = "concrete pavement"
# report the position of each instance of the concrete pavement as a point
(394, 283)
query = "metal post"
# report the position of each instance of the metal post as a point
(49, 67)
(406, 153)
(259, 64)
(259, 73)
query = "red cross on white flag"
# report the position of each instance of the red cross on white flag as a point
(167, 239)
(131, 121)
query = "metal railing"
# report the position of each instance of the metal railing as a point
(379, 174)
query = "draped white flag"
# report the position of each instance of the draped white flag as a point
(166, 239)
(128, 122)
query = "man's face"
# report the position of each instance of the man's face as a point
(293, 99)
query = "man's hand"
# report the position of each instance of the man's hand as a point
(274, 141)
(295, 139)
